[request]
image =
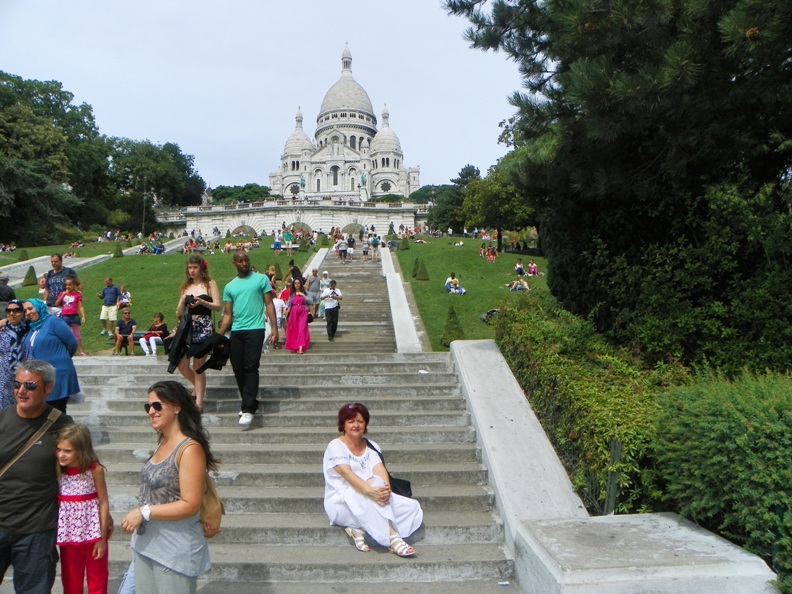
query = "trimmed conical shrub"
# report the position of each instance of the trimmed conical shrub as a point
(278, 271)
(416, 265)
(118, 252)
(453, 329)
(421, 273)
(228, 233)
(404, 244)
(30, 278)
(23, 255)
(303, 246)
(171, 235)
(323, 241)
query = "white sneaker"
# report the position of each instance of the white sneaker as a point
(246, 419)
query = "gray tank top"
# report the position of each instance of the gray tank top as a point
(159, 483)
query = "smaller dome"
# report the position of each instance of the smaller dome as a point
(386, 139)
(298, 140)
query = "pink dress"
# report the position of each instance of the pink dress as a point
(297, 333)
(78, 508)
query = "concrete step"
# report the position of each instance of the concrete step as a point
(229, 418)
(293, 377)
(306, 475)
(310, 564)
(441, 527)
(254, 500)
(456, 453)
(318, 437)
(227, 399)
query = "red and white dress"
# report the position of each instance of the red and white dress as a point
(78, 513)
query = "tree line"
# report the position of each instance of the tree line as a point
(60, 177)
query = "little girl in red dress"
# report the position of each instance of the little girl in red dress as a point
(83, 513)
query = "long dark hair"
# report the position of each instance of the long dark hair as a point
(189, 416)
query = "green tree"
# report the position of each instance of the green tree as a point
(644, 124)
(494, 202)
(247, 193)
(32, 205)
(446, 211)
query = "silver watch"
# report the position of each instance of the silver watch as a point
(145, 511)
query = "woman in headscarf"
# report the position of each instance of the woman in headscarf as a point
(50, 339)
(12, 349)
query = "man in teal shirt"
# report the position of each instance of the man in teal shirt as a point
(247, 299)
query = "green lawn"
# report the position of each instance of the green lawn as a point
(94, 248)
(483, 280)
(154, 283)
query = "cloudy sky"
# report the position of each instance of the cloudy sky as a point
(224, 80)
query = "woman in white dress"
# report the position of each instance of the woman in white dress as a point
(357, 489)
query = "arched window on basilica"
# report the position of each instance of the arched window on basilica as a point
(334, 171)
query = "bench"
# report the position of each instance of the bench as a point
(135, 344)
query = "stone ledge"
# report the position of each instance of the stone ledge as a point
(651, 553)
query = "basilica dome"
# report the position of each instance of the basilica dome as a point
(386, 139)
(346, 93)
(298, 141)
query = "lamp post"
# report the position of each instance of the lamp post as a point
(143, 220)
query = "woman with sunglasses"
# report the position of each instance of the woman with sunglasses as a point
(51, 340)
(12, 349)
(169, 539)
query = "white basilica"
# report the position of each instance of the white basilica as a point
(349, 159)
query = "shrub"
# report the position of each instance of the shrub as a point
(23, 255)
(323, 241)
(118, 252)
(30, 278)
(453, 329)
(722, 455)
(228, 233)
(171, 236)
(416, 265)
(302, 246)
(404, 244)
(422, 273)
(585, 395)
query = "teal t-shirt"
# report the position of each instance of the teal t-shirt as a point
(247, 298)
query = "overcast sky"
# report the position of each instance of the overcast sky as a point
(224, 79)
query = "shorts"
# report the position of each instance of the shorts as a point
(288, 245)
(109, 312)
(276, 245)
(71, 320)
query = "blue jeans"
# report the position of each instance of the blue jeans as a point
(34, 558)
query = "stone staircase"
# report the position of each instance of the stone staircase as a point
(364, 323)
(275, 537)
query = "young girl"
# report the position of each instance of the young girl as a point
(72, 312)
(83, 513)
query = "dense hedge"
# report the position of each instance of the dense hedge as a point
(723, 455)
(585, 396)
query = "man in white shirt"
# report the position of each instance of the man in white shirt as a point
(331, 297)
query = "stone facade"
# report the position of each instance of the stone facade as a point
(349, 158)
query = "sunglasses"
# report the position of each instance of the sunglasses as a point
(30, 386)
(155, 405)
(14, 310)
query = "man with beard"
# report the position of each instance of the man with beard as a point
(247, 299)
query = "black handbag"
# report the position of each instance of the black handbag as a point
(399, 486)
